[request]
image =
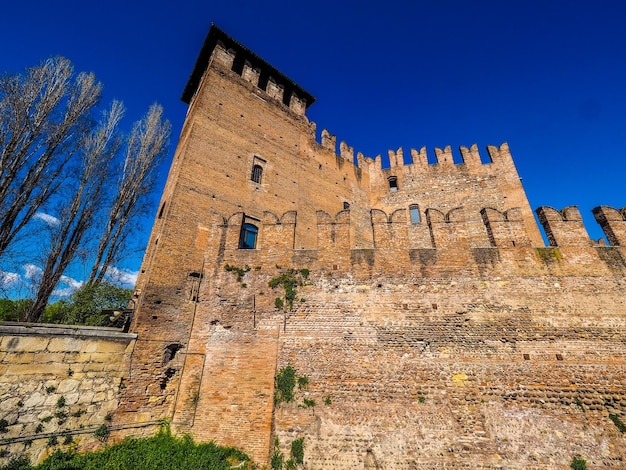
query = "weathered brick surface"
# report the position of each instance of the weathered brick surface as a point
(455, 341)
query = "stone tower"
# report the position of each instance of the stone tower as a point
(428, 316)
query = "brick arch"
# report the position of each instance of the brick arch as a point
(434, 215)
(288, 217)
(398, 216)
(455, 215)
(324, 217)
(491, 214)
(343, 217)
(611, 213)
(379, 216)
(513, 214)
(270, 218)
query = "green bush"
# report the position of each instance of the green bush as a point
(17, 463)
(578, 464)
(160, 452)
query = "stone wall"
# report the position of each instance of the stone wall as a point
(58, 384)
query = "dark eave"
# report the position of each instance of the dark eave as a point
(215, 35)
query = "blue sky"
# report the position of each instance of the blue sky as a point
(548, 77)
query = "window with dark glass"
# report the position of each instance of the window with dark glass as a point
(393, 183)
(414, 211)
(249, 233)
(257, 174)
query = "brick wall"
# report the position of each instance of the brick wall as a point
(457, 340)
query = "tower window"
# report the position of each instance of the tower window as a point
(346, 206)
(393, 183)
(414, 211)
(257, 173)
(249, 233)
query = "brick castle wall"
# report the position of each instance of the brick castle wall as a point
(452, 340)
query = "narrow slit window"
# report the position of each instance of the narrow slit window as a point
(393, 183)
(249, 233)
(257, 174)
(414, 211)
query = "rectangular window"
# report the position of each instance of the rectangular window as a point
(414, 211)
(249, 233)
(393, 183)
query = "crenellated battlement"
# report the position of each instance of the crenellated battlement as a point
(445, 232)
(221, 50)
(564, 227)
(613, 223)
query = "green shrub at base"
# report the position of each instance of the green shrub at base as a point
(160, 452)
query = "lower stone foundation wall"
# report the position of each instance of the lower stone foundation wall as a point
(58, 385)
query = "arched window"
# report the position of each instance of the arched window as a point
(257, 173)
(414, 211)
(249, 233)
(393, 183)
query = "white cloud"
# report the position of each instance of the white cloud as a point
(124, 276)
(73, 283)
(47, 218)
(63, 292)
(7, 279)
(32, 271)
(71, 286)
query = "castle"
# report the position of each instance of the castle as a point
(434, 328)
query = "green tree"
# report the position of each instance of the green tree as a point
(85, 306)
(14, 310)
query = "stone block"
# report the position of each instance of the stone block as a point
(24, 343)
(65, 344)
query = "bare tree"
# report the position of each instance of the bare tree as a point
(56, 158)
(146, 146)
(86, 195)
(42, 116)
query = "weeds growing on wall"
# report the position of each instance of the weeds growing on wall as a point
(162, 451)
(239, 272)
(618, 422)
(285, 385)
(289, 280)
(278, 462)
(578, 464)
(297, 451)
(285, 382)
